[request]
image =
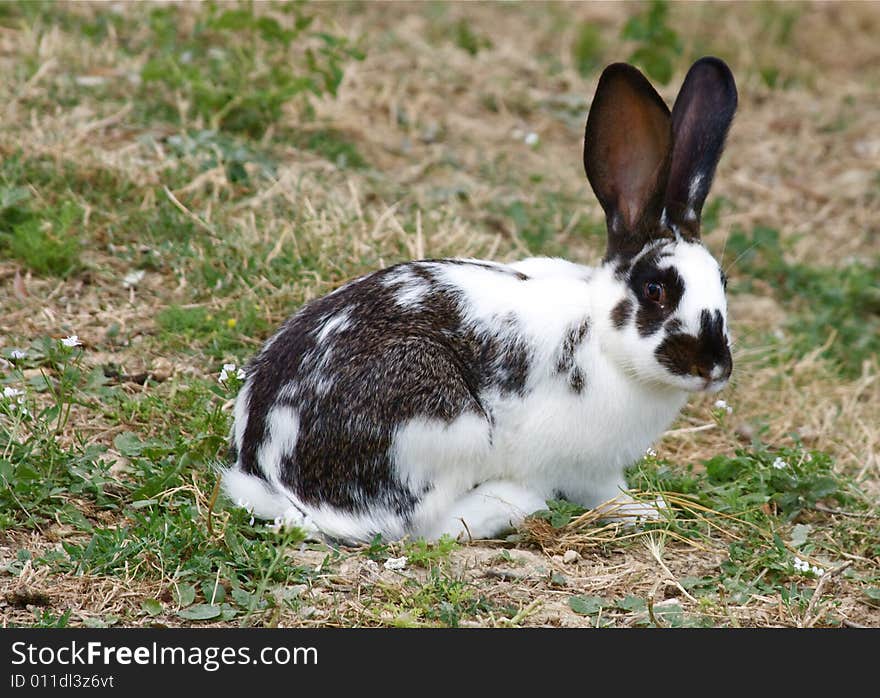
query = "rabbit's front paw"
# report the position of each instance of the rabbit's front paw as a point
(624, 509)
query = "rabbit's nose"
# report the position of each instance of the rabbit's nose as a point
(702, 370)
(714, 369)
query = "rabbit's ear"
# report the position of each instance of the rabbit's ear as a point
(701, 118)
(626, 156)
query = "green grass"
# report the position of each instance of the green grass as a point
(332, 145)
(468, 40)
(160, 530)
(603, 611)
(658, 45)
(429, 553)
(46, 241)
(441, 599)
(219, 333)
(208, 149)
(43, 478)
(235, 577)
(767, 504)
(241, 90)
(789, 480)
(837, 307)
(233, 109)
(586, 49)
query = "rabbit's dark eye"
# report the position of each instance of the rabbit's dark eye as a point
(654, 291)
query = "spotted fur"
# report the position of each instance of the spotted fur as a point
(455, 396)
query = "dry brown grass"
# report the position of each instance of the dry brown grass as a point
(804, 160)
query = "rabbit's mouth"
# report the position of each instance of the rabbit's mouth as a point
(711, 385)
(718, 376)
(697, 379)
(714, 379)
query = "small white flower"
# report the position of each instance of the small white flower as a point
(396, 563)
(71, 341)
(531, 138)
(229, 370)
(779, 464)
(133, 278)
(651, 453)
(804, 566)
(722, 405)
(17, 354)
(12, 392)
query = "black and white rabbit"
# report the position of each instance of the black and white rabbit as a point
(455, 396)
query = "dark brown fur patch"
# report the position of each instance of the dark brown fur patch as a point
(651, 316)
(673, 326)
(687, 355)
(345, 436)
(576, 380)
(570, 343)
(621, 313)
(387, 365)
(565, 363)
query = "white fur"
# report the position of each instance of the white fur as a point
(356, 527)
(240, 415)
(253, 494)
(339, 322)
(693, 191)
(411, 294)
(484, 511)
(276, 502)
(552, 267)
(410, 288)
(549, 441)
(283, 426)
(265, 501)
(701, 275)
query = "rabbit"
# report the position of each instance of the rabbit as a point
(456, 396)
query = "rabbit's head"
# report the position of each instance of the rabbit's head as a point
(651, 171)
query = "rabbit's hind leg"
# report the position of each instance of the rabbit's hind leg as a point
(485, 511)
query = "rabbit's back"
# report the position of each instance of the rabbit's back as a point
(325, 400)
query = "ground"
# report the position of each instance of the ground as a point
(177, 179)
